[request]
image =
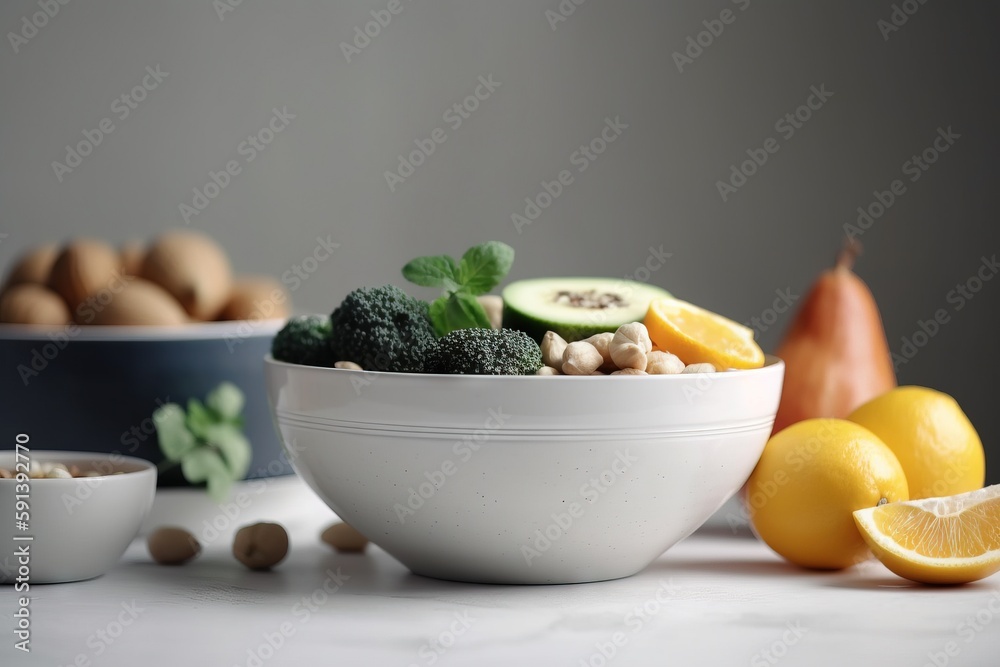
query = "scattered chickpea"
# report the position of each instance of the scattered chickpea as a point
(553, 346)
(344, 538)
(699, 368)
(630, 345)
(602, 342)
(547, 370)
(260, 546)
(581, 358)
(172, 546)
(348, 365)
(663, 363)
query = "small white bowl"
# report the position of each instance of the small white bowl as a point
(524, 479)
(79, 527)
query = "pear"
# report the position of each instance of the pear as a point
(835, 352)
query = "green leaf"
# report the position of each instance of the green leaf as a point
(226, 401)
(201, 463)
(218, 486)
(199, 418)
(484, 266)
(172, 432)
(233, 446)
(460, 310)
(434, 271)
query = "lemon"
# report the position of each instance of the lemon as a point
(940, 450)
(810, 480)
(700, 336)
(951, 540)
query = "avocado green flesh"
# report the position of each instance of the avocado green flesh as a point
(575, 308)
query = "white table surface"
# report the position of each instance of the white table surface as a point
(714, 599)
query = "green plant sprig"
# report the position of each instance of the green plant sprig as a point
(207, 440)
(481, 268)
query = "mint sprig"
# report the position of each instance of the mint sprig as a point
(206, 440)
(481, 268)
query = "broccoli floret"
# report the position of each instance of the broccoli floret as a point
(304, 340)
(383, 329)
(485, 352)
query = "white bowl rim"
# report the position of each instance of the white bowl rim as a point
(65, 456)
(125, 333)
(771, 362)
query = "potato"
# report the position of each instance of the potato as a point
(131, 254)
(193, 268)
(29, 303)
(83, 268)
(135, 301)
(257, 298)
(33, 266)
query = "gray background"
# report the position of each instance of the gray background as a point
(654, 186)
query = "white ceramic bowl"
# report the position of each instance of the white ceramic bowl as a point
(524, 479)
(79, 527)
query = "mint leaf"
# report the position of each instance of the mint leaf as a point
(484, 266)
(201, 463)
(198, 418)
(233, 446)
(226, 401)
(459, 310)
(436, 271)
(172, 432)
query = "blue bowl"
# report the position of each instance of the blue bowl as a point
(95, 389)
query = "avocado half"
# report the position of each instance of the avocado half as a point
(576, 308)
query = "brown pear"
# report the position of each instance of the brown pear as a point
(835, 352)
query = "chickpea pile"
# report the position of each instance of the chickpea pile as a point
(627, 351)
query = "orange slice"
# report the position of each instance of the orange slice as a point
(700, 336)
(952, 540)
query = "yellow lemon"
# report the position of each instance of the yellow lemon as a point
(951, 540)
(940, 450)
(810, 480)
(700, 336)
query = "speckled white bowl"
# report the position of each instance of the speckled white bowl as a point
(78, 528)
(527, 480)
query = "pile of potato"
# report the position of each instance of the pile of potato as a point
(182, 276)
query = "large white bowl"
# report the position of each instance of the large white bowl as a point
(523, 479)
(76, 528)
